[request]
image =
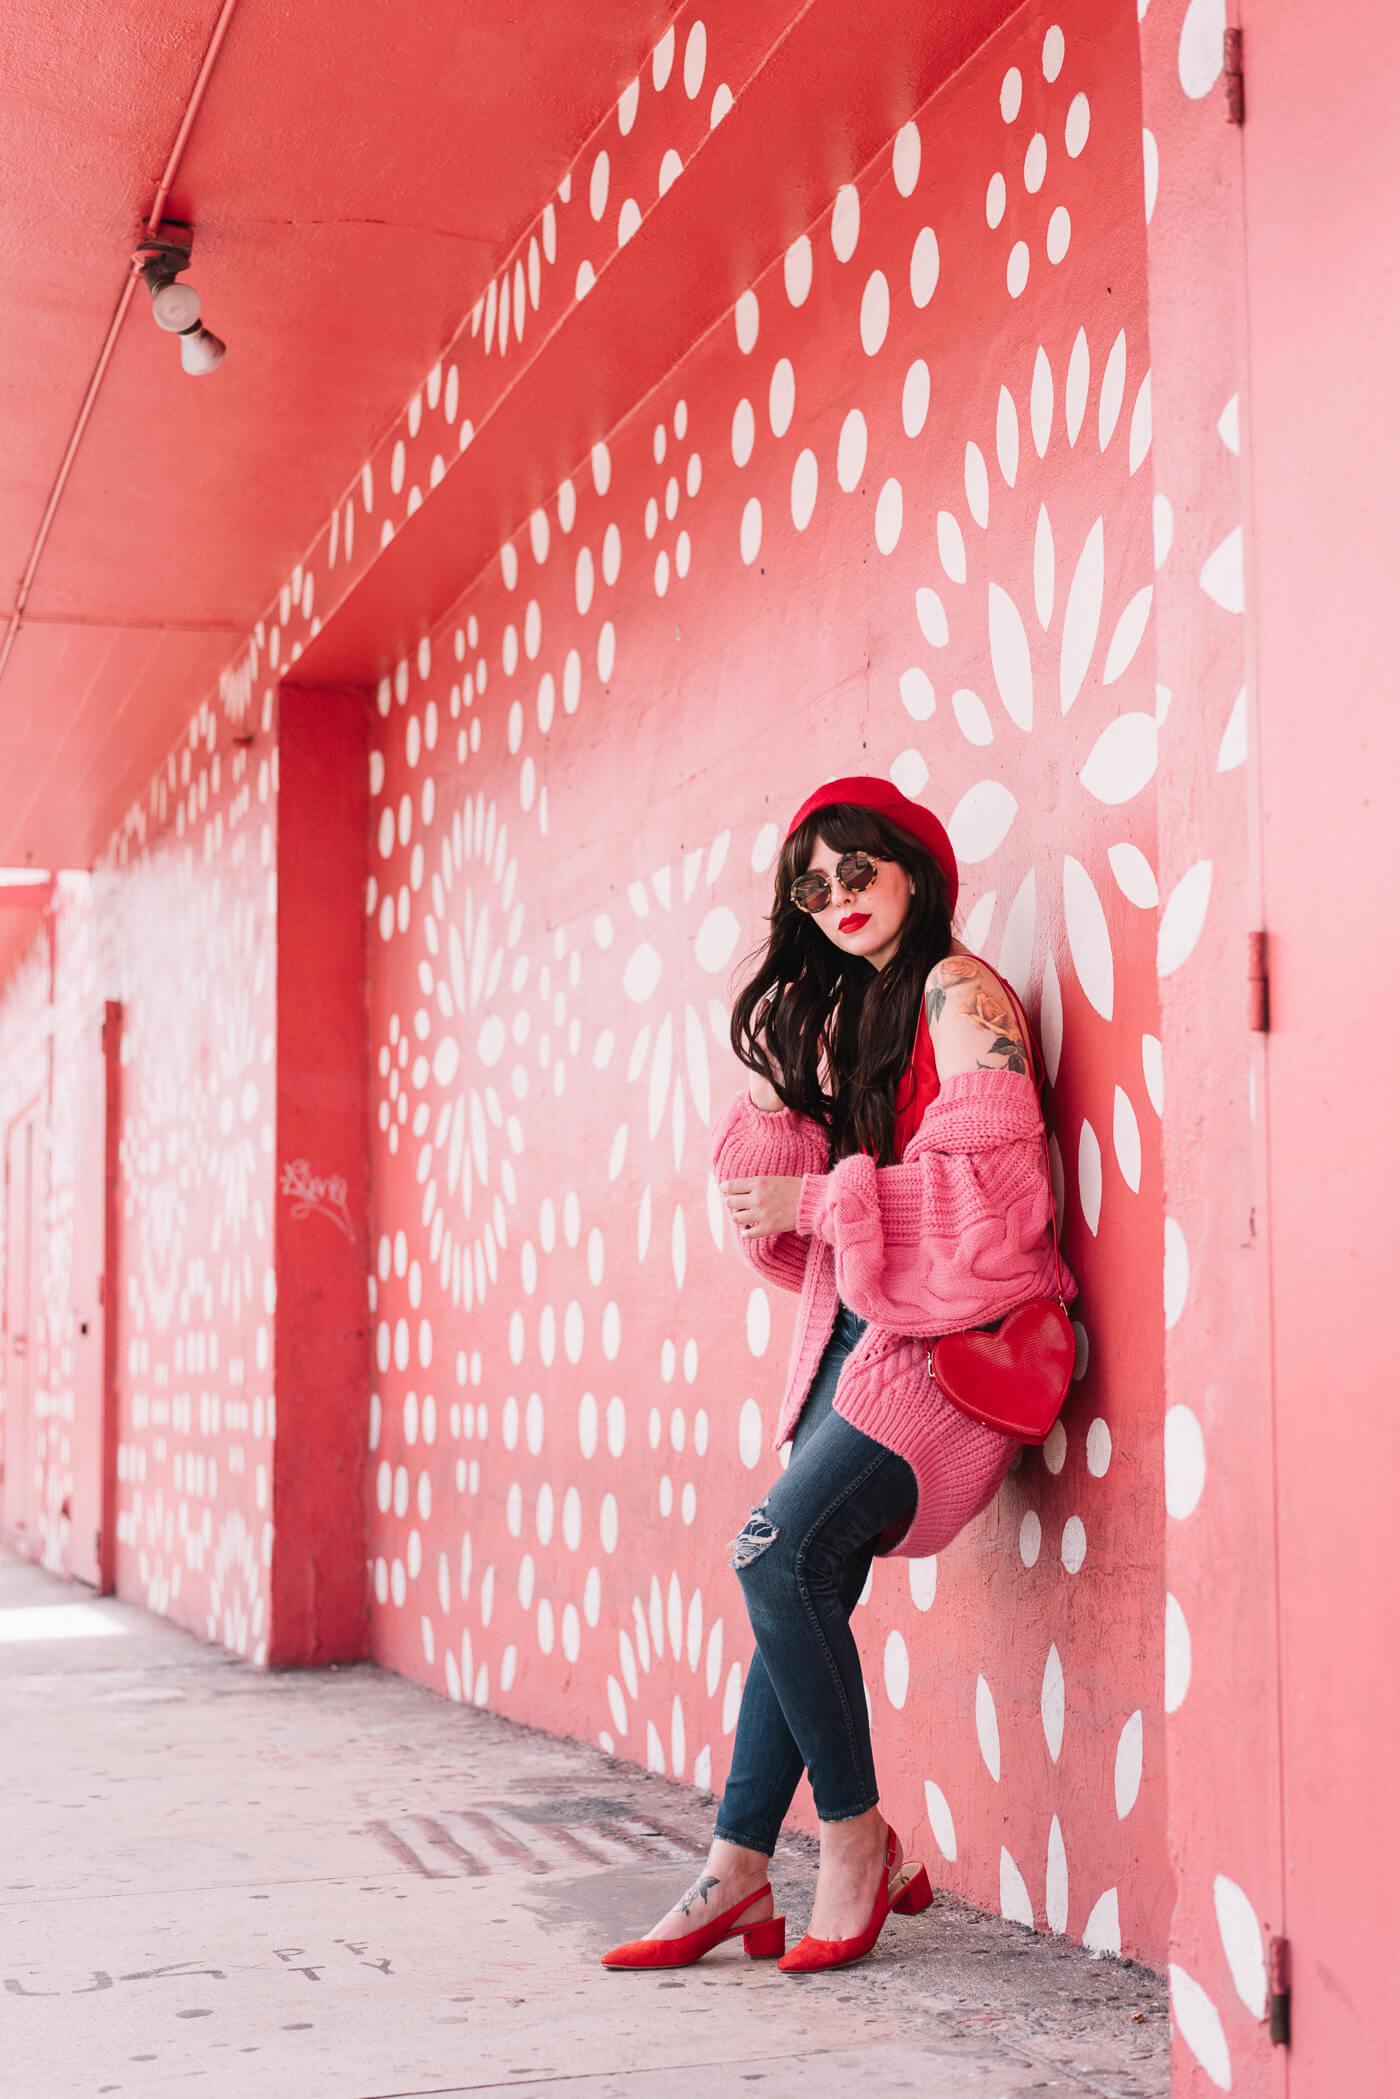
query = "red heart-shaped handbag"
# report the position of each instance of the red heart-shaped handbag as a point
(1015, 1379)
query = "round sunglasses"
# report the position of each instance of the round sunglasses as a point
(854, 871)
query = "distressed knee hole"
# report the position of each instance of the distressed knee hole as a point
(753, 1540)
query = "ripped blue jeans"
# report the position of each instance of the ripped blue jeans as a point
(802, 1560)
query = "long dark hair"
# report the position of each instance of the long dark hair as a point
(831, 1033)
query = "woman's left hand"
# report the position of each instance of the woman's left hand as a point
(764, 1206)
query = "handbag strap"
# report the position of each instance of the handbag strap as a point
(1038, 1064)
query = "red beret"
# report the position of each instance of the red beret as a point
(869, 791)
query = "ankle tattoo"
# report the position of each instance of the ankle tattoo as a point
(699, 1893)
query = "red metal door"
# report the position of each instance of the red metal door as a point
(21, 1238)
(95, 1069)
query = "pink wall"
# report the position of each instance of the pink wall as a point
(815, 549)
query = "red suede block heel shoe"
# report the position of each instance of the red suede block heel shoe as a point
(765, 1942)
(762, 1941)
(907, 1891)
(910, 1891)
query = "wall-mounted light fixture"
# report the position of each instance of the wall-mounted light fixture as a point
(159, 260)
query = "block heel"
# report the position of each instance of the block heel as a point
(765, 1942)
(915, 1894)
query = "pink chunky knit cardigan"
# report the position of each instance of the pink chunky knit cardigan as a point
(954, 1236)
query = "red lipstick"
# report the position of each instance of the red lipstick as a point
(854, 923)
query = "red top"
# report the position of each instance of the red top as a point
(918, 1089)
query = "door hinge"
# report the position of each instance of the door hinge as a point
(1234, 76)
(1280, 1991)
(1258, 982)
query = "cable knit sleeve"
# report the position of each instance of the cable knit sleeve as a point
(747, 1142)
(960, 1231)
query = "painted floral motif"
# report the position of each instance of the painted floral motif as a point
(553, 1493)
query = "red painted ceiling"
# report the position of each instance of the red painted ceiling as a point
(352, 174)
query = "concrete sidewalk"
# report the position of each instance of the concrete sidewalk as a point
(338, 1886)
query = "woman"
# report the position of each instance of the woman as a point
(887, 1162)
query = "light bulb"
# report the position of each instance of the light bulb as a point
(176, 307)
(200, 351)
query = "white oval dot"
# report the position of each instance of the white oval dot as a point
(908, 152)
(923, 267)
(940, 1819)
(896, 1669)
(1127, 1767)
(874, 312)
(916, 691)
(970, 714)
(741, 433)
(889, 517)
(1176, 1656)
(782, 397)
(1176, 1271)
(797, 270)
(804, 489)
(1057, 234)
(598, 186)
(1185, 1457)
(988, 1735)
(1199, 2023)
(694, 68)
(583, 581)
(914, 406)
(845, 222)
(1073, 1545)
(850, 451)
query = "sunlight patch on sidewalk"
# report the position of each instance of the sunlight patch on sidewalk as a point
(58, 1621)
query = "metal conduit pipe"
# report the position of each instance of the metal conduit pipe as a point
(156, 215)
